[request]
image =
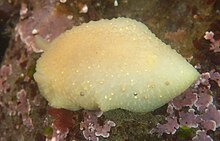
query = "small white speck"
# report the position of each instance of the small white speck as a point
(23, 10)
(98, 4)
(115, 3)
(123, 88)
(84, 9)
(22, 75)
(135, 93)
(34, 31)
(63, 1)
(208, 35)
(101, 82)
(58, 131)
(70, 17)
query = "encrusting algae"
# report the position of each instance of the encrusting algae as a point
(110, 64)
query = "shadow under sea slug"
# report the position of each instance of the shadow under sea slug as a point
(110, 64)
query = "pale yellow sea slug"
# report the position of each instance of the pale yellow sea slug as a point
(110, 64)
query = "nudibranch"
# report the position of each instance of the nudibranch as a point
(110, 64)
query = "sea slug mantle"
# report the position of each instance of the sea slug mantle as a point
(110, 64)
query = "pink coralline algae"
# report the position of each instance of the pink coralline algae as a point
(204, 99)
(215, 76)
(5, 71)
(194, 109)
(211, 113)
(92, 127)
(204, 80)
(168, 128)
(11, 108)
(201, 136)
(208, 125)
(63, 121)
(24, 108)
(187, 99)
(214, 44)
(42, 21)
(188, 119)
